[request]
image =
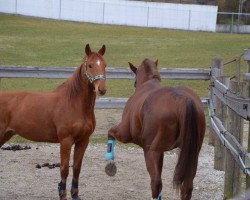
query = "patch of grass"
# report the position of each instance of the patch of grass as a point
(102, 139)
(43, 42)
(94, 139)
(19, 139)
(115, 87)
(98, 139)
(29, 84)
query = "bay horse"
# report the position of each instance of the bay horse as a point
(159, 119)
(65, 115)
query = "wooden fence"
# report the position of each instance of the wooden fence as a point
(228, 107)
(112, 73)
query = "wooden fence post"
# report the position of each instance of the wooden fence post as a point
(232, 181)
(215, 71)
(220, 111)
(247, 58)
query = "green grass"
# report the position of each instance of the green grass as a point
(18, 139)
(102, 139)
(42, 42)
(94, 140)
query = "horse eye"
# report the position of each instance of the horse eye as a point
(90, 66)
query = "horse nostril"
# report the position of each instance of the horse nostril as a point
(102, 92)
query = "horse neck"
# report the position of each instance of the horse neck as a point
(88, 98)
(149, 84)
(78, 89)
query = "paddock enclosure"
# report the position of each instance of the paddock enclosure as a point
(208, 184)
(130, 160)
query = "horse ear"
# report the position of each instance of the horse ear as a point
(87, 50)
(156, 62)
(102, 50)
(132, 67)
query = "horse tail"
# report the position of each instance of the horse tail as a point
(187, 162)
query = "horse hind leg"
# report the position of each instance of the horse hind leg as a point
(154, 163)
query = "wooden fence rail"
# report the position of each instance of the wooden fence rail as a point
(229, 141)
(112, 73)
(241, 105)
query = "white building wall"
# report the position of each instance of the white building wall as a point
(120, 12)
(125, 15)
(78, 10)
(8, 6)
(39, 8)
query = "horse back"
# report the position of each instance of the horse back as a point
(168, 101)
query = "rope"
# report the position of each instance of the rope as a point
(234, 60)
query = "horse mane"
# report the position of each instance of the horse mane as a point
(73, 85)
(148, 69)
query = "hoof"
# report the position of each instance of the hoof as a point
(110, 168)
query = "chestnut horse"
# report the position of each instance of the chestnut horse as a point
(64, 116)
(159, 119)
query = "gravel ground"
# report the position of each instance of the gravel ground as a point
(20, 179)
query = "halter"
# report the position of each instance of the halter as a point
(91, 78)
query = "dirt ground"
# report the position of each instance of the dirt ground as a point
(21, 180)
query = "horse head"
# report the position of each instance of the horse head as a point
(94, 69)
(146, 71)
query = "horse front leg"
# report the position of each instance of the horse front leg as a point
(79, 151)
(65, 149)
(154, 163)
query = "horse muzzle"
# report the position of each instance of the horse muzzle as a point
(100, 88)
(102, 92)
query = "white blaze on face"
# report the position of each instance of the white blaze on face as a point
(97, 82)
(98, 62)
